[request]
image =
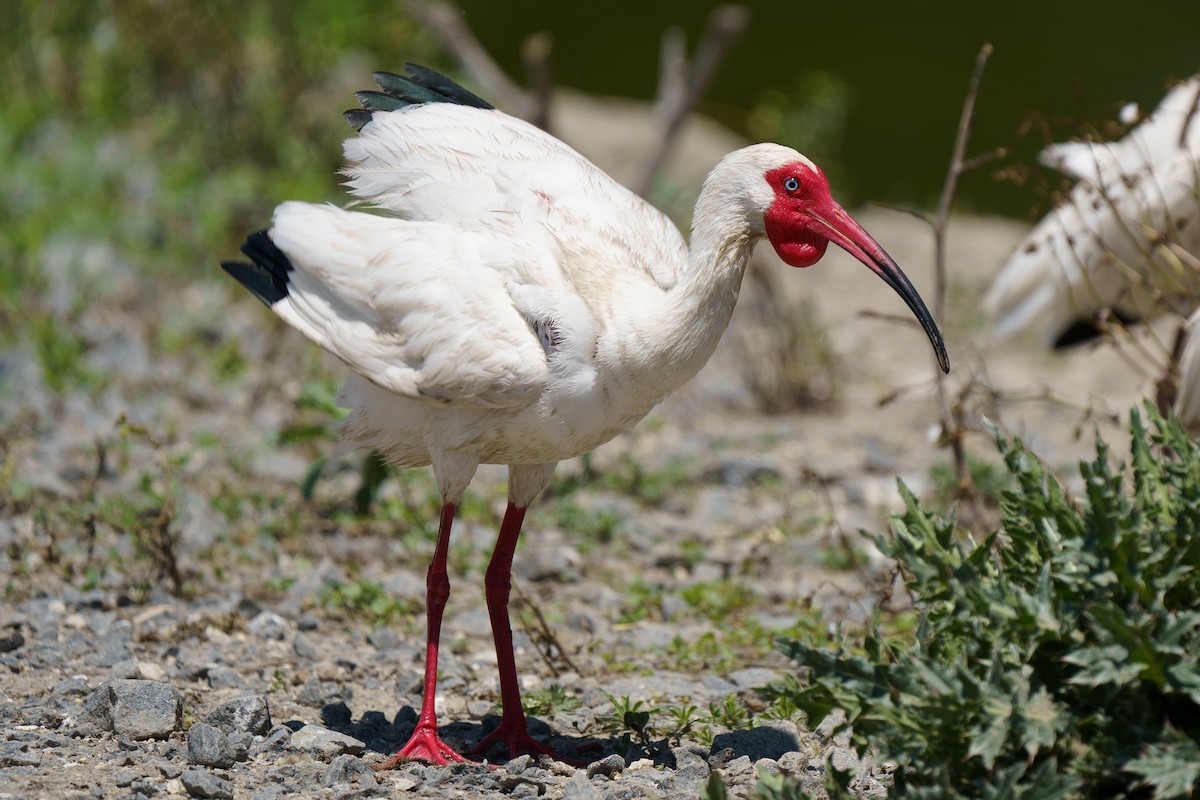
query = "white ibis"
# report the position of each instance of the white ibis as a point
(1114, 245)
(519, 307)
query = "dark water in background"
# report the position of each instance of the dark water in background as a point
(903, 68)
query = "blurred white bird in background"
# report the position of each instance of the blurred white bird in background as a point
(1124, 246)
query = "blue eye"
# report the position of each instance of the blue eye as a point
(791, 184)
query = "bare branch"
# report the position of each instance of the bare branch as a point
(535, 52)
(725, 25)
(951, 422)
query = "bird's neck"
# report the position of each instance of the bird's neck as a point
(693, 314)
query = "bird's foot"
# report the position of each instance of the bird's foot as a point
(519, 742)
(424, 745)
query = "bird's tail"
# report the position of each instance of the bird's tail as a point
(267, 277)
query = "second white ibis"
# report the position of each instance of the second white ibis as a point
(519, 307)
(1113, 245)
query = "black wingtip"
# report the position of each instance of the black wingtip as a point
(420, 86)
(357, 117)
(267, 277)
(1085, 330)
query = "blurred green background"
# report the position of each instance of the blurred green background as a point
(898, 71)
(169, 128)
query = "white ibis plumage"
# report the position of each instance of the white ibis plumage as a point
(1113, 245)
(519, 307)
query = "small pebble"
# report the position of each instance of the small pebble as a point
(17, 754)
(349, 769)
(209, 747)
(324, 743)
(268, 625)
(580, 788)
(202, 783)
(250, 714)
(608, 767)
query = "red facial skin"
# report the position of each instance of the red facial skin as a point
(789, 221)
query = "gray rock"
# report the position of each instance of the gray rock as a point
(249, 714)
(740, 472)
(608, 767)
(519, 764)
(843, 759)
(202, 783)
(209, 747)
(718, 685)
(305, 647)
(349, 769)
(76, 686)
(268, 625)
(16, 754)
(112, 647)
(384, 638)
(690, 765)
(146, 709)
(526, 789)
(35, 712)
(11, 641)
(324, 743)
(312, 693)
(241, 742)
(225, 678)
(276, 739)
(549, 562)
(753, 677)
(96, 716)
(580, 788)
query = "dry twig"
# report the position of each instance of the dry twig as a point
(680, 88)
(952, 423)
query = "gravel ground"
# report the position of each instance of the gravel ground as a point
(180, 621)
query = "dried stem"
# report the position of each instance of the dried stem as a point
(678, 97)
(548, 641)
(535, 52)
(952, 427)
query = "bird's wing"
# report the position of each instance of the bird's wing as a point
(1101, 249)
(482, 170)
(423, 310)
(1173, 126)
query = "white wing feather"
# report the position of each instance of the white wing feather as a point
(421, 309)
(1103, 246)
(483, 170)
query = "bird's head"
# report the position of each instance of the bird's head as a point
(800, 218)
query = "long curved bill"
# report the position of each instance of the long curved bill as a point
(842, 230)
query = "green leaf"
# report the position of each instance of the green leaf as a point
(1173, 770)
(987, 740)
(1042, 721)
(1103, 665)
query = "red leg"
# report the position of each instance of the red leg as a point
(425, 744)
(513, 730)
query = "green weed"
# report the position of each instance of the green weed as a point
(365, 599)
(1058, 657)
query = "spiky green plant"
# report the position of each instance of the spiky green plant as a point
(1057, 658)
